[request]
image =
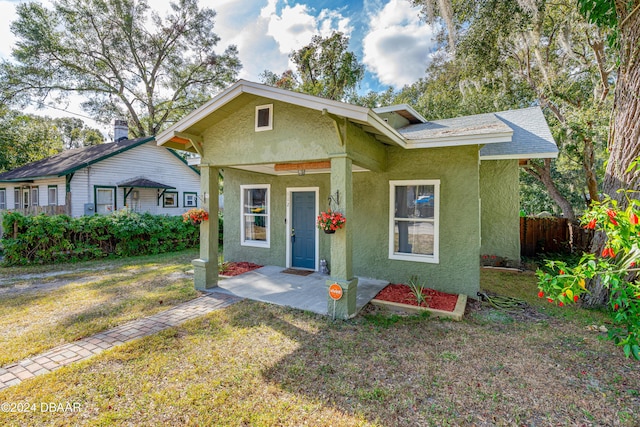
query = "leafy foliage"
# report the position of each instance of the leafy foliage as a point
(48, 239)
(617, 266)
(545, 54)
(325, 67)
(128, 60)
(26, 138)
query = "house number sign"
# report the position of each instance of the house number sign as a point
(335, 291)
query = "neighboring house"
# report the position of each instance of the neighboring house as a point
(101, 179)
(424, 198)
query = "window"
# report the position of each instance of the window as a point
(190, 200)
(170, 199)
(255, 215)
(264, 117)
(25, 197)
(3, 198)
(414, 220)
(105, 199)
(52, 198)
(17, 199)
(35, 196)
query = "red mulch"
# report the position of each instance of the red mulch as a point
(235, 268)
(402, 294)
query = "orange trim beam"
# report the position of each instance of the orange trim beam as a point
(279, 167)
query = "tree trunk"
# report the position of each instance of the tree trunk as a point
(543, 174)
(624, 137)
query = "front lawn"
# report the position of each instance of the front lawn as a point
(46, 306)
(262, 365)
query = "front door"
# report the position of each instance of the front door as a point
(303, 233)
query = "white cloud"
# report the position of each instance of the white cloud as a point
(398, 45)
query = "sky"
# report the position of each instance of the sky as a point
(387, 36)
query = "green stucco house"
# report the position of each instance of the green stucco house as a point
(425, 198)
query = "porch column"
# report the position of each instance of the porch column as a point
(206, 267)
(341, 241)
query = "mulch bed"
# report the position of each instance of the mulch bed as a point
(402, 294)
(236, 268)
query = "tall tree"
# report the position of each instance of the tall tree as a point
(623, 18)
(26, 138)
(544, 54)
(325, 67)
(76, 134)
(127, 60)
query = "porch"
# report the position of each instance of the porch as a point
(270, 284)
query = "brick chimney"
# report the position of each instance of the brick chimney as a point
(120, 130)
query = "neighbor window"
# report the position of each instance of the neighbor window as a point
(255, 215)
(190, 200)
(52, 198)
(17, 198)
(264, 117)
(3, 199)
(414, 220)
(35, 196)
(170, 199)
(105, 199)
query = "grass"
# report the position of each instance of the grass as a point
(38, 313)
(262, 365)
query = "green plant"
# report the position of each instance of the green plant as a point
(616, 267)
(417, 287)
(45, 239)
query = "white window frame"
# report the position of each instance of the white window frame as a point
(109, 208)
(52, 201)
(255, 243)
(433, 259)
(3, 200)
(35, 196)
(190, 199)
(17, 198)
(270, 125)
(175, 199)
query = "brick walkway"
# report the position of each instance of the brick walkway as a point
(87, 347)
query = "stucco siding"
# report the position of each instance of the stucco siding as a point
(457, 170)
(499, 192)
(298, 134)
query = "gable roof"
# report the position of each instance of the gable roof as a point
(509, 134)
(531, 137)
(70, 161)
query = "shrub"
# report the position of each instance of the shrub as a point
(48, 239)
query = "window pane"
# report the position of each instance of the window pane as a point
(53, 193)
(263, 117)
(414, 201)
(255, 227)
(104, 197)
(3, 199)
(255, 201)
(413, 237)
(34, 197)
(170, 200)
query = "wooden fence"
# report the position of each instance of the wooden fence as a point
(37, 210)
(552, 235)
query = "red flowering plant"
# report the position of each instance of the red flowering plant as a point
(195, 216)
(330, 221)
(616, 267)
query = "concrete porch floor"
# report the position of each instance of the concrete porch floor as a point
(270, 284)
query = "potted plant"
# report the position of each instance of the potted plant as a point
(195, 216)
(331, 221)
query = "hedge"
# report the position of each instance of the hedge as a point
(44, 239)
